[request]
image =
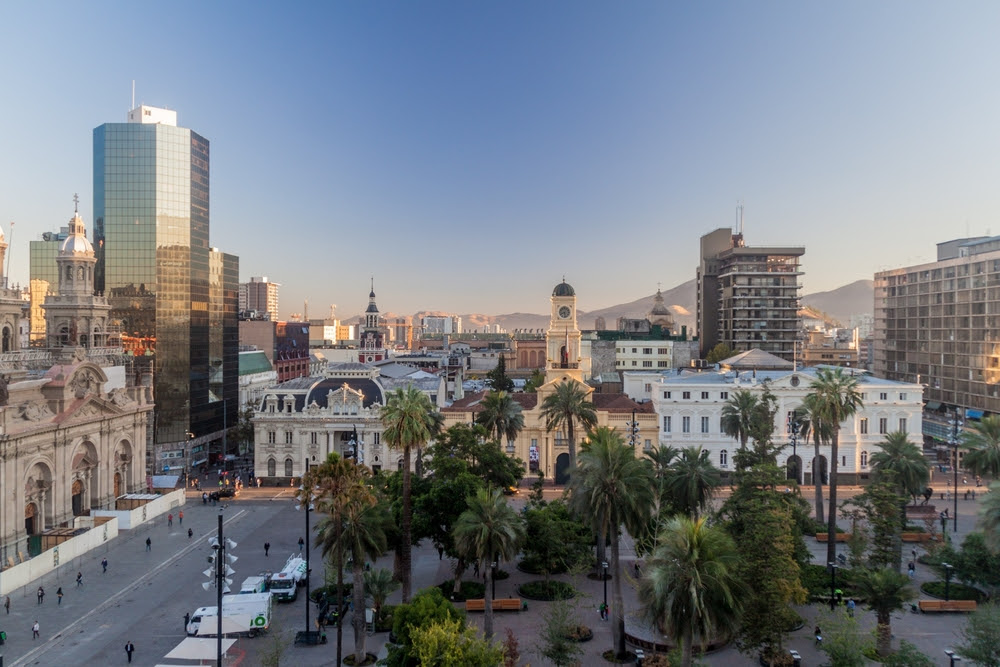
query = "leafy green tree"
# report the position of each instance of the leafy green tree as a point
(613, 488)
(536, 380)
(838, 400)
(689, 587)
(981, 637)
(879, 510)
(554, 539)
(488, 531)
(501, 416)
(884, 591)
(379, 585)
(976, 564)
(691, 481)
(566, 406)
(814, 427)
(409, 420)
(909, 467)
(762, 426)
(498, 377)
(989, 517)
(718, 353)
(982, 440)
(554, 640)
(761, 520)
(738, 414)
(462, 448)
(843, 642)
(908, 655)
(426, 608)
(451, 643)
(244, 428)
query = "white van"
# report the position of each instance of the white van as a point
(284, 585)
(251, 612)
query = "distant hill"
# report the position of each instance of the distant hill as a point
(841, 303)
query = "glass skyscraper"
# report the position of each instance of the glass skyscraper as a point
(173, 295)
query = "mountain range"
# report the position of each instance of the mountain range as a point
(835, 306)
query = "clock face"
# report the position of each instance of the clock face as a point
(564, 312)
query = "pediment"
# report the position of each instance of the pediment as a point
(91, 408)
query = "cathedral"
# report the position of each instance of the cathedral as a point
(73, 425)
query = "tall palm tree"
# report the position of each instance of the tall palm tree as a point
(904, 460)
(566, 406)
(501, 416)
(692, 481)
(613, 488)
(989, 517)
(738, 415)
(488, 531)
(885, 592)
(409, 420)
(838, 400)
(689, 587)
(983, 442)
(813, 426)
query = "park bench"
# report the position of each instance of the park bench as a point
(919, 537)
(928, 606)
(500, 604)
(838, 537)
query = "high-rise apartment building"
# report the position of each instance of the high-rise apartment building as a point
(939, 324)
(748, 297)
(260, 295)
(174, 295)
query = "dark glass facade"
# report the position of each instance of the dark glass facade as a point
(151, 234)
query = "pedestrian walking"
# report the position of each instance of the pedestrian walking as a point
(170, 521)
(258, 482)
(190, 533)
(180, 517)
(204, 497)
(79, 579)
(267, 547)
(59, 595)
(34, 630)
(41, 594)
(911, 570)
(6, 604)
(850, 607)
(819, 635)
(104, 565)
(129, 649)
(149, 544)
(301, 544)
(603, 610)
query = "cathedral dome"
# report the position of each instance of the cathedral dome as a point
(76, 243)
(563, 289)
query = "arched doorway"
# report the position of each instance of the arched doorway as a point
(793, 468)
(562, 468)
(77, 494)
(31, 524)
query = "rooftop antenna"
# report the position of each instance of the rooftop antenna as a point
(739, 217)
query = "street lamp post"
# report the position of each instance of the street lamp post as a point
(956, 423)
(306, 503)
(833, 585)
(633, 431)
(944, 527)
(947, 580)
(604, 565)
(794, 428)
(493, 579)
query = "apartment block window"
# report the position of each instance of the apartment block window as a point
(633, 350)
(646, 364)
(902, 396)
(686, 424)
(724, 459)
(704, 424)
(883, 396)
(686, 395)
(704, 395)
(724, 395)
(633, 363)
(864, 459)
(647, 350)
(663, 350)
(649, 387)
(288, 437)
(883, 425)
(666, 424)
(663, 364)
(863, 425)
(648, 444)
(902, 424)
(270, 437)
(843, 461)
(666, 394)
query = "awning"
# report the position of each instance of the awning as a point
(209, 625)
(193, 648)
(933, 405)
(195, 464)
(973, 414)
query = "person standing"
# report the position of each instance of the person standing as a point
(301, 544)
(41, 594)
(34, 630)
(170, 520)
(104, 565)
(850, 607)
(129, 648)
(180, 517)
(190, 533)
(187, 621)
(59, 595)
(79, 579)
(267, 547)
(149, 544)
(6, 604)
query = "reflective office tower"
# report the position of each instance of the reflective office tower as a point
(174, 295)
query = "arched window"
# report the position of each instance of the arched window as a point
(864, 459)
(288, 467)
(69, 273)
(272, 467)
(724, 459)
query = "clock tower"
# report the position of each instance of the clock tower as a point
(562, 340)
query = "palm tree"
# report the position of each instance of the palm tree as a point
(613, 488)
(489, 530)
(983, 443)
(691, 481)
(689, 587)
(838, 399)
(989, 517)
(363, 537)
(812, 424)
(904, 460)
(501, 416)
(885, 591)
(565, 406)
(409, 420)
(738, 415)
(379, 585)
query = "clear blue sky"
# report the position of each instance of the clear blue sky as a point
(468, 154)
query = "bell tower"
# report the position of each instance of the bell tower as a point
(562, 340)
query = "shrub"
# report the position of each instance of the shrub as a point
(469, 590)
(956, 591)
(546, 590)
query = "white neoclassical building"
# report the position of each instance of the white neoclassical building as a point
(689, 409)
